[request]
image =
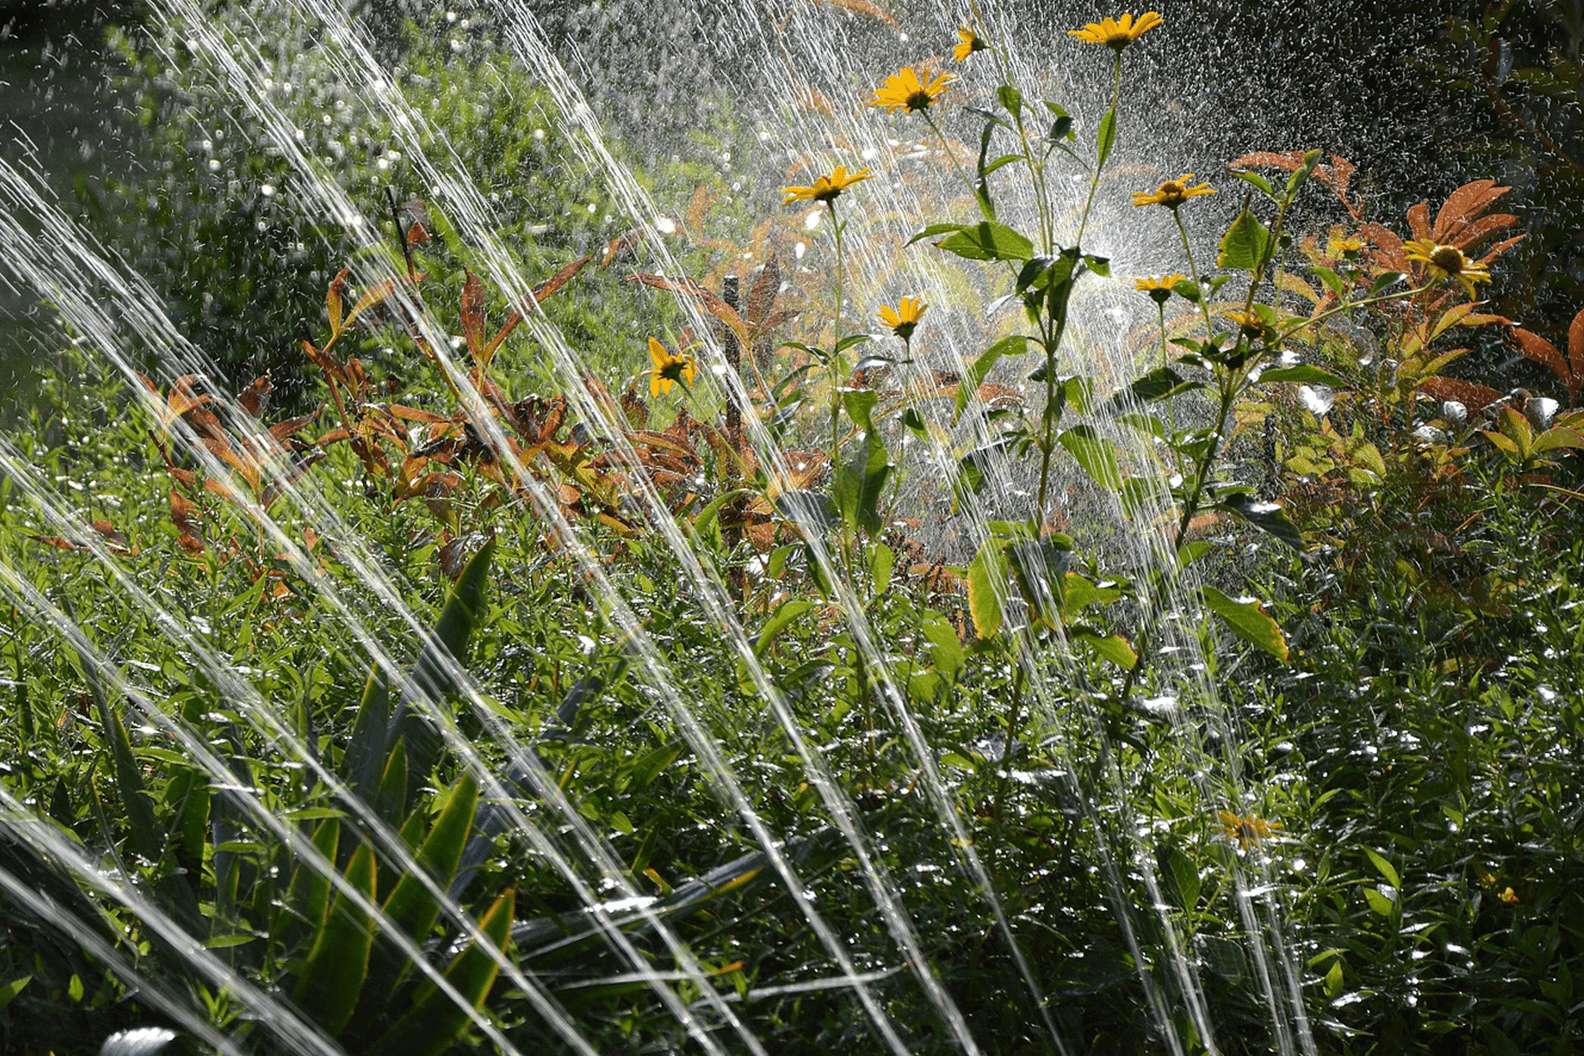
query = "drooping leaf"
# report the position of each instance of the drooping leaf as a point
(1249, 621)
(1095, 454)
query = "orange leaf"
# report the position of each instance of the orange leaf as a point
(473, 319)
(333, 305)
(1576, 344)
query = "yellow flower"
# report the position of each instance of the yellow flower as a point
(906, 90)
(969, 42)
(1173, 193)
(1509, 896)
(1159, 287)
(1251, 324)
(667, 368)
(904, 318)
(826, 188)
(1118, 33)
(1246, 830)
(1338, 246)
(1447, 262)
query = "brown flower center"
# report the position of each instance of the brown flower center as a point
(1449, 259)
(919, 100)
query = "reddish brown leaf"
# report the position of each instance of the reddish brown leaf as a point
(763, 294)
(333, 301)
(1537, 348)
(1576, 344)
(255, 397)
(473, 318)
(1472, 395)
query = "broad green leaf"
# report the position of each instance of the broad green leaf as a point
(128, 778)
(986, 579)
(1249, 620)
(1095, 454)
(779, 621)
(1268, 516)
(988, 240)
(1379, 902)
(1245, 244)
(946, 651)
(1114, 648)
(1384, 867)
(331, 980)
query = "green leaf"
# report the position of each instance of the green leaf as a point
(1379, 902)
(1256, 180)
(1114, 648)
(1304, 374)
(1245, 244)
(433, 1022)
(986, 578)
(1269, 516)
(308, 894)
(1105, 142)
(9, 991)
(787, 612)
(128, 778)
(859, 482)
(882, 559)
(1249, 621)
(1385, 868)
(411, 907)
(1095, 454)
(988, 240)
(1162, 383)
(932, 230)
(946, 651)
(1015, 345)
(331, 980)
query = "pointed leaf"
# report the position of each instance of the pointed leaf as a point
(1249, 621)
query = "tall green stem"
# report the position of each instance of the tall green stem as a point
(835, 365)
(1094, 181)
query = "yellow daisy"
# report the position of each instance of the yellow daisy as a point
(1337, 246)
(667, 368)
(1118, 33)
(1246, 830)
(1447, 262)
(907, 90)
(968, 43)
(1159, 287)
(826, 188)
(1173, 193)
(904, 318)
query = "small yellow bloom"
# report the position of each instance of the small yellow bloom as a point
(1447, 262)
(1509, 896)
(904, 318)
(667, 368)
(826, 188)
(1159, 287)
(968, 43)
(1348, 248)
(1247, 830)
(1118, 33)
(1173, 193)
(1251, 324)
(907, 90)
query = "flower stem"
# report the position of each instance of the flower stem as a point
(1094, 181)
(834, 365)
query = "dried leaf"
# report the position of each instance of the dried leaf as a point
(762, 297)
(333, 305)
(473, 319)
(255, 398)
